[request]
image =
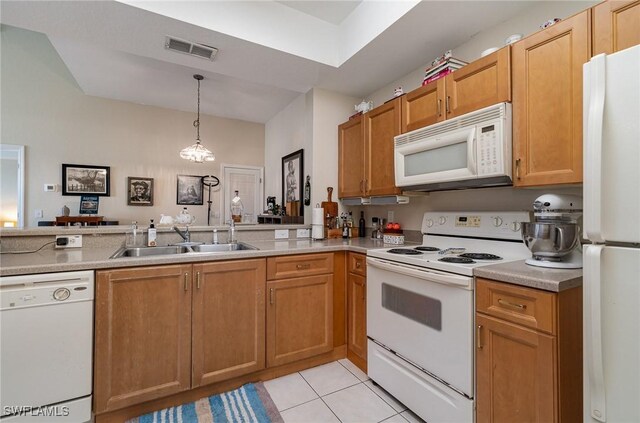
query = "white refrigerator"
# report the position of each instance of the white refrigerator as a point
(611, 282)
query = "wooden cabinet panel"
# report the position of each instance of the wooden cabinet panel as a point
(357, 315)
(228, 320)
(380, 126)
(423, 106)
(299, 265)
(351, 156)
(616, 26)
(357, 264)
(142, 335)
(524, 306)
(299, 318)
(547, 103)
(482, 83)
(516, 373)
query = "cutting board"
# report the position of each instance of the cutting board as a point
(330, 207)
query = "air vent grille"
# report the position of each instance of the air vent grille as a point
(489, 113)
(193, 49)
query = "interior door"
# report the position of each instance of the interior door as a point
(248, 181)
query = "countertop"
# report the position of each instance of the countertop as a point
(520, 273)
(51, 260)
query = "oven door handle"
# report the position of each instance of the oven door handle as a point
(428, 275)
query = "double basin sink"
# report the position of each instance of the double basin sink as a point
(183, 248)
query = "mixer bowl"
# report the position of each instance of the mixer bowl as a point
(550, 240)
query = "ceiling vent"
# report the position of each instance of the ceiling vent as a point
(187, 47)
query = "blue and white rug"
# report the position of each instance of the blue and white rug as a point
(249, 403)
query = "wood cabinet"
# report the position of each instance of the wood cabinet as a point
(365, 152)
(228, 320)
(357, 310)
(159, 330)
(616, 26)
(299, 310)
(142, 335)
(547, 103)
(482, 83)
(528, 354)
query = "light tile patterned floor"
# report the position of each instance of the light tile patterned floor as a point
(335, 392)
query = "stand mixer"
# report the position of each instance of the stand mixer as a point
(554, 235)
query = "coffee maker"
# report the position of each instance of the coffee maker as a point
(554, 235)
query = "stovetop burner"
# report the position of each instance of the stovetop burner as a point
(405, 251)
(480, 256)
(428, 249)
(459, 260)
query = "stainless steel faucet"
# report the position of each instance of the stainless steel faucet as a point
(232, 232)
(186, 236)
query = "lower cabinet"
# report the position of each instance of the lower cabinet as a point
(528, 354)
(300, 309)
(357, 310)
(165, 329)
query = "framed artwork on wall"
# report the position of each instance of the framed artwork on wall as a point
(139, 191)
(189, 190)
(292, 185)
(89, 204)
(85, 179)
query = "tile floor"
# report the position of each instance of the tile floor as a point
(335, 392)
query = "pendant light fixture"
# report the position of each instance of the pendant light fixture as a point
(197, 152)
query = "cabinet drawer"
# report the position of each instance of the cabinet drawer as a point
(357, 264)
(302, 265)
(528, 307)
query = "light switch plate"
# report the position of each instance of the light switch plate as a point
(391, 216)
(303, 233)
(68, 241)
(282, 233)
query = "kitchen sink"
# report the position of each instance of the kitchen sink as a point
(180, 249)
(218, 248)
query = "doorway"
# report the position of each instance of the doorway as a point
(12, 186)
(248, 181)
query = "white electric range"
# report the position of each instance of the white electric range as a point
(420, 309)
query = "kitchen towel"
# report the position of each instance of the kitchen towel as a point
(249, 403)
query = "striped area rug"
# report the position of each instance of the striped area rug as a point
(249, 403)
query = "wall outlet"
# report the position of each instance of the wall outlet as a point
(303, 233)
(68, 241)
(39, 213)
(391, 216)
(282, 233)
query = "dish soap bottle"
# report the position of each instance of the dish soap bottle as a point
(236, 208)
(151, 235)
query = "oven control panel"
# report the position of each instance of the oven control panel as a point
(468, 221)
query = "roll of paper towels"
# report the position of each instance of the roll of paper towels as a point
(317, 217)
(317, 232)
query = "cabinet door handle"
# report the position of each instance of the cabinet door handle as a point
(447, 104)
(198, 280)
(271, 299)
(303, 266)
(439, 107)
(512, 305)
(364, 291)
(479, 337)
(361, 185)
(358, 265)
(518, 169)
(186, 281)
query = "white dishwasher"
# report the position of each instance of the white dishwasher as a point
(46, 347)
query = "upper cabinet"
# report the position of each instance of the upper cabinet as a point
(482, 83)
(547, 103)
(365, 151)
(616, 26)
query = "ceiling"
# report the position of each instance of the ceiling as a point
(269, 51)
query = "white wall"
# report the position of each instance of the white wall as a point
(310, 122)
(43, 109)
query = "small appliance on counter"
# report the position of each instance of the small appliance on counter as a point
(554, 235)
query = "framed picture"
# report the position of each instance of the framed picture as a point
(139, 191)
(89, 204)
(292, 185)
(83, 179)
(189, 190)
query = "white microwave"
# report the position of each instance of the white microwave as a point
(469, 151)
